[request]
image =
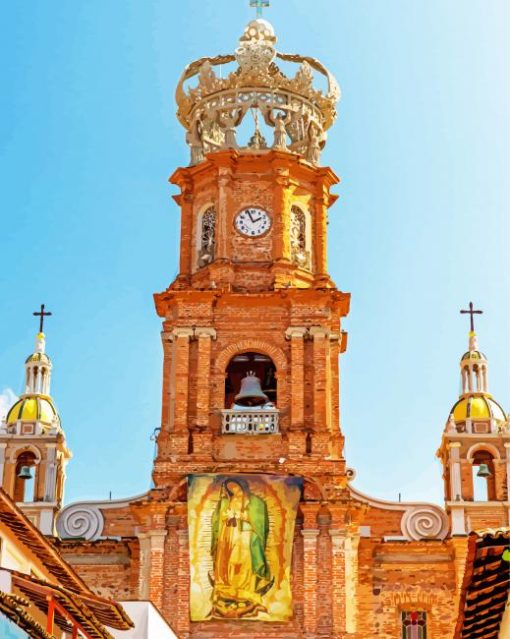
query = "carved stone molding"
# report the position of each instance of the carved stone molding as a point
(80, 521)
(424, 522)
(85, 520)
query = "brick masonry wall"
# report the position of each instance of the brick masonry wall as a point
(110, 568)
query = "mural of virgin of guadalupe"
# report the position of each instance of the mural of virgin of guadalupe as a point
(241, 574)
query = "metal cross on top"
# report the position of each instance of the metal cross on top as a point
(260, 5)
(472, 312)
(42, 314)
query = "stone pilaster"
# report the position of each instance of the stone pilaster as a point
(144, 570)
(455, 479)
(351, 581)
(157, 558)
(50, 480)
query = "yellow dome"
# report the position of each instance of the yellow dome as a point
(477, 407)
(38, 357)
(473, 355)
(32, 408)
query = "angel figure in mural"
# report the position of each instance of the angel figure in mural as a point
(241, 574)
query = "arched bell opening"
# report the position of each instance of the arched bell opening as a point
(25, 477)
(484, 484)
(250, 381)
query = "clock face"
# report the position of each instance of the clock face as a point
(252, 222)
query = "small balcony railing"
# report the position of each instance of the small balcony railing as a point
(249, 422)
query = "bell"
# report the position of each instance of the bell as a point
(251, 392)
(25, 472)
(483, 471)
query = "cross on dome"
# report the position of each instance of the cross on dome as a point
(472, 312)
(259, 5)
(42, 314)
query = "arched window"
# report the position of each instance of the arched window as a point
(207, 239)
(299, 245)
(25, 480)
(263, 369)
(484, 485)
(414, 624)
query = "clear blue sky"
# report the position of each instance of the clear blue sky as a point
(88, 137)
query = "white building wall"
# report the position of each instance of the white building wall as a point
(149, 624)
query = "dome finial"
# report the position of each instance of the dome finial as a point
(259, 5)
(42, 314)
(473, 346)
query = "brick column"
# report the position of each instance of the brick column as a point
(183, 595)
(296, 336)
(310, 533)
(157, 557)
(179, 392)
(338, 595)
(500, 479)
(168, 382)
(460, 551)
(171, 566)
(338, 579)
(204, 336)
(322, 434)
(319, 335)
(187, 244)
(334, 345)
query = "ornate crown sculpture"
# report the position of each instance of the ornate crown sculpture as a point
(299, 113)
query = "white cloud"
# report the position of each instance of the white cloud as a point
(7, 399)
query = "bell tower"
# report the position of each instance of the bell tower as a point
(33, 451)
(253, 290)
(251, 339)
(475, 448)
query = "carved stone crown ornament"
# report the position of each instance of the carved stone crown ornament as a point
(213, 110)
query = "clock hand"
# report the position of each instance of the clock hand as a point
(249, 215)
(255, 221)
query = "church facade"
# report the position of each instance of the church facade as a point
(253, 527)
